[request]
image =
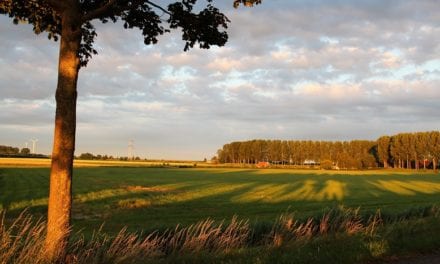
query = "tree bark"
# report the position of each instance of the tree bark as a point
(60, 193)
(385, 164)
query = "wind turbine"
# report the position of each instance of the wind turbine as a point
(130, 149)
(34, 145)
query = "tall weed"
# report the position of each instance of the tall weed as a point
(22, 240)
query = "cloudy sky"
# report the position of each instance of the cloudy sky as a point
(320, 70)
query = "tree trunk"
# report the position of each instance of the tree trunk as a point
(60, 193)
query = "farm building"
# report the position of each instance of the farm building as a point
(308, 162)
(263, 164)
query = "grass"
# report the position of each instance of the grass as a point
(158, 198)
(340, 235)
(42, 162)
(191, 215)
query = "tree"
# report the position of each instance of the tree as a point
(86, 156)
(383, 150)
(25, 151)
(433, 147)
(396, 150)
(70, 21)
(421, 148)
(7, 150)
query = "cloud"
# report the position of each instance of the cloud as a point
(291, 69)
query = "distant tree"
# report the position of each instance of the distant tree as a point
(383, 150)
(421, 148)
(404, 150)
(86, 156)
(8, 150)
(434, 148)
(285, 152)
(256, 150)
(221, 155)
(396, 151)
(25, 151)
(214, 160)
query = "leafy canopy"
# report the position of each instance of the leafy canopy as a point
(205, 27)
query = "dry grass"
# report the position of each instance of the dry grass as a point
(153, 189)
(340, 220)
(21, 162)
(133, 203)
(206, 235)
(22, 240)
(41, 162)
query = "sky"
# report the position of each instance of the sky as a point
(297, 70)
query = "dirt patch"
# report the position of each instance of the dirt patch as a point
(134, 203)
(139, 188)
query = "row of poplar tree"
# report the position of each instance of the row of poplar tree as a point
(404, 150)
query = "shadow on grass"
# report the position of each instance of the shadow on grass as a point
(189, 195)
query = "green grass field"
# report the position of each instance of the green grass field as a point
(155, 198)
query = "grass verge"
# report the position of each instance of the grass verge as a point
(340, 235)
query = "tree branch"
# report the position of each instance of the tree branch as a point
(55, 4)
(158, 7)
(99, 11)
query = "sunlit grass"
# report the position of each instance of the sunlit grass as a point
(408, 187)
(28, 203)
(45, 162)
(249, 201)
(150, 198)
(20, 162)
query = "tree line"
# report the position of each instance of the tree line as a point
(91, 156)
(404, 150)
(9, 151)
